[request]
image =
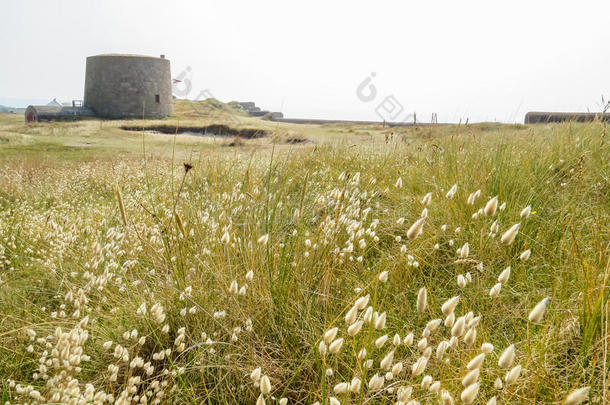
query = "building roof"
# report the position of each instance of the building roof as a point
(46, 108)
(54, 103)
(125, 55)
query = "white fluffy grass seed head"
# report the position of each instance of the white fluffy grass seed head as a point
(427, 199)
(362, 302)
(419, 366)
(504, 276)
(355, 328)
(471, 378)
(416, 229)
(578, 396)
(354, 386)
(341, 388)
(335, 346)
(376, 382)
(379, 320)
(461, 281)
(380, 341)
(265, 385)
(263, 239)
(458, 327)
(451, 193)
(386, 362)
(464, 251)
(449, 305)
(513, 375)
(450, 320)
(491, 207)
(426, 382)
(330, 334)
(322, 348)
(470, 393)
(508, 237)
(539, 310)
(233, 288)
(433, 324)
(476, 362)
(494, 227)
(255, 375)
(351, 315)
(422, 299)
(441, 348)
(487, 348)
(495, 290)
(507, 357)
(446, 398)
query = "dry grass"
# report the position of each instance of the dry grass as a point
(320, 225)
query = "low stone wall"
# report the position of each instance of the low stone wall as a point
(536, 117)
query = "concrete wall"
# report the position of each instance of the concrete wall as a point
(38, 113)
(127, 86)
(535, 117)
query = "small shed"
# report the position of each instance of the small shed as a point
(42, 113)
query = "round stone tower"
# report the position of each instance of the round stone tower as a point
(128, 86)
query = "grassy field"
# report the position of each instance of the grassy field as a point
(138, 267)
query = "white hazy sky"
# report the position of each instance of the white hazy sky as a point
(483, 60)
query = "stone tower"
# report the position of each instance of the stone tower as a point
(128, 86)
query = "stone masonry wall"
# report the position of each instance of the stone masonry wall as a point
(126, 86)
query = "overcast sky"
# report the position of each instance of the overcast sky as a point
(483, 60)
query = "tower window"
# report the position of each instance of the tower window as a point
(157, 98)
